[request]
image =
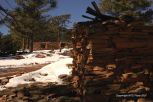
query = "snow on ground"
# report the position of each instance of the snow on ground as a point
(30, 59)
(48, 73)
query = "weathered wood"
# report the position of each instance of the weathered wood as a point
(102, 44)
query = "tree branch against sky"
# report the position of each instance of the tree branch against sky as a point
(31, 21)
(74, 7)
(28, 19)
(58, 23)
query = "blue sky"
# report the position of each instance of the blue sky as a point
(74, 7)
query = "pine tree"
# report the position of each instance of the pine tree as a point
(29, 19)
(58, 23)
(135, 8)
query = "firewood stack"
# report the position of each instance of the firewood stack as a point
(81, 53)
(104, 52)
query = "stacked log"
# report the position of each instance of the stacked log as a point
(80, 54)
(104, 53)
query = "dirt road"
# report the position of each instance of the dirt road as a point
(19, 71)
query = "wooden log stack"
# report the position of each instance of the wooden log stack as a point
(103, 52)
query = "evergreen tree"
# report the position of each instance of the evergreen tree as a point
(133, 8)
(0, 39)
(54, 26)
(58, 25)
(8, 46)
(29, 19)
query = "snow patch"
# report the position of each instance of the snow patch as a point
(30, 59)
(48, 73)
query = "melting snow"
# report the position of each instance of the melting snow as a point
(48, 73)
(30, 59)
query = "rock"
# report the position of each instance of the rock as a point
(51, 96)
(66, 53)
(4, 81)
(75, 81)
(71, 54)
(144, 100)
(18, 57)
(36, 96)
(97, 68)
(63, 76)
(127, 76)
(75, 78)
(140, 90)
(49, 54)
(12, 96)
(40, 56)
(9, 77)
(104, 74)
(36, 63)
(139, 84)
(43, 100)
(8, 100)
(2, 100)
(20, 94)
(66, 99)
(51, 51)
(111, 66)
(109, 74)
(138, 87)
(19, 100)
(70, 66)
(32, 79)
(4, 96)
(100, 73)
(19, 74)
(39, 92)
(146, 71)
(25, 98)
(43, 74)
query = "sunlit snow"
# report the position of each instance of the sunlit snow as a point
(48, 73)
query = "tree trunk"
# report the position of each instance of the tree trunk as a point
(59, 40)
(24, 44)
(28, 42)
(31, 43)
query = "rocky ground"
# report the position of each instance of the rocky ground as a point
(36, 91)
(108, 89)
(101, 85)
(6, 74)
(108, 85)
(39, 92)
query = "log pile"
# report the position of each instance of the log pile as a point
(106, 56)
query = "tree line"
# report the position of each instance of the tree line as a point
(138, 9)
(31, 21)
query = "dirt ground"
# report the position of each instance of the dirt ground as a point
(19, 71)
